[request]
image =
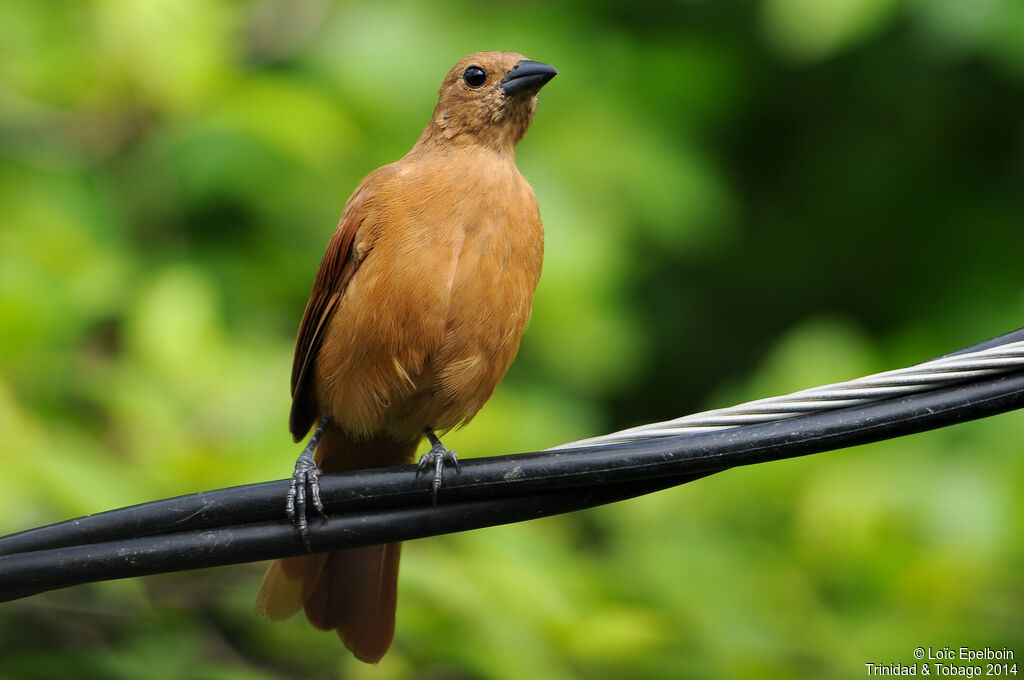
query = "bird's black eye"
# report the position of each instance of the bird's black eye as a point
(474, 76)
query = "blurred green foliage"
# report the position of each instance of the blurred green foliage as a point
(741, 199)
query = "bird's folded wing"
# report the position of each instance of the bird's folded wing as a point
(339, 264)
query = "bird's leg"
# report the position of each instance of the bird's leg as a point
(306, 474)
(436, 457)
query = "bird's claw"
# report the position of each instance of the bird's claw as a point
(436, 458)
(306, 475)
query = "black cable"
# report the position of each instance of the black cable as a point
(247, 523)
(1004, 339)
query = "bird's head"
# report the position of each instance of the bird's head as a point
(488, 98)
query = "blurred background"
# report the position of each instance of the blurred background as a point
(741, 199)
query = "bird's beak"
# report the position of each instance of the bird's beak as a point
(527, 76)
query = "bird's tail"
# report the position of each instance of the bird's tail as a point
(350, 591)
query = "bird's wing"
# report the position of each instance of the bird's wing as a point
(339, 264)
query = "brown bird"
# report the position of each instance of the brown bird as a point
(415, 315)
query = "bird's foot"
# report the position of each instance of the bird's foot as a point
(435, 458)
(306, 474)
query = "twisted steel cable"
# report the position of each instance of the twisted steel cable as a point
(922, 377)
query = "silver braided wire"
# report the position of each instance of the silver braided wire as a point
(900, 382)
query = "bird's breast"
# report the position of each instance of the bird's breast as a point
(433, 317)
(493, 270)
